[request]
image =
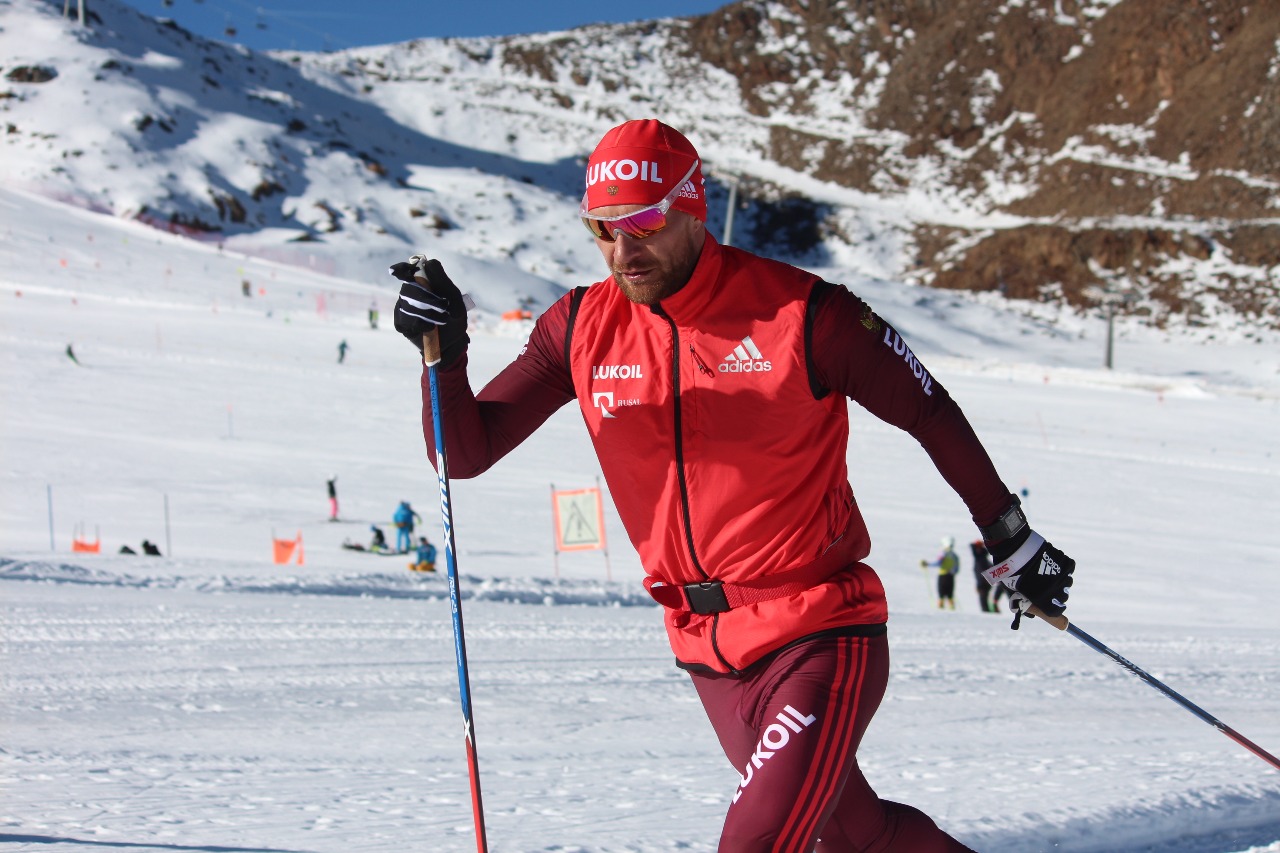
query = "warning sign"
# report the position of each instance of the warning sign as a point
(579, 516)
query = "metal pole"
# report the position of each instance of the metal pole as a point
(1062, 624)
(728, 215)
(555, 534)
(1111, 314)
(431, 357)
(604, 541)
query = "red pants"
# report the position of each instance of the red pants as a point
(791, 727)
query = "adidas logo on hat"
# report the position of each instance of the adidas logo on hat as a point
(745, 358)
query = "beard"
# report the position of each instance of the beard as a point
(649, 280)
(649, 289)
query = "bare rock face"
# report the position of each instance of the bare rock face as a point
(30, 74)
(1137, 134)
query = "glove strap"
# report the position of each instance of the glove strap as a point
(1005, 570)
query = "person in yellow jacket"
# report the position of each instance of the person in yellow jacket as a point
(948, 565)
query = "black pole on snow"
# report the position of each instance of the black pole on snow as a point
(1063, 624)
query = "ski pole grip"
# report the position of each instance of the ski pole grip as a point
(1059, 622)
(431, 339)
(431, 347)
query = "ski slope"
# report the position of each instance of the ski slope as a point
(210, 700)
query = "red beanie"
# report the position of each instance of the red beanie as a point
(639, 162)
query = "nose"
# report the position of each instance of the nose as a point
(625, 246)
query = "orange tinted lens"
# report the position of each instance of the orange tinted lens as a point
(639, 225)
(597, 229)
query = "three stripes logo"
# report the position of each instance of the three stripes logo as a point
(746, 358)
(1048, 566)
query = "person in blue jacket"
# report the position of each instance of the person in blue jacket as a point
(404, 519)
(426, 556)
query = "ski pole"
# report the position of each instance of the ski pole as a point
(1063, 624)
(431, 358)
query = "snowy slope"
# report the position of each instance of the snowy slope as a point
(212, 700)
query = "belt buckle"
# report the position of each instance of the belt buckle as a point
(706, 597)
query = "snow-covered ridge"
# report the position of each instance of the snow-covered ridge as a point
(323, 160)
(132, 574)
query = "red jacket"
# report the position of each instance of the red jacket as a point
(721, 425)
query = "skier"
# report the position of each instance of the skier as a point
(982, 562)
(404, 519)
(373, 314)
(379, 542)
(948, 565)
(426, 556)
(342, 352)
(71, 354)
(332, 484)
(713, 383)
(150, 549)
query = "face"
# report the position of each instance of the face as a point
(650, 269)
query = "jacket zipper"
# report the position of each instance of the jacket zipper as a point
(702, 365)
(680, 476)
(679, 426)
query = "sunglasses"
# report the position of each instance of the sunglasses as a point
(638, 224)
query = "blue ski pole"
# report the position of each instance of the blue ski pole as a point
(1063, 624)
(431, 357)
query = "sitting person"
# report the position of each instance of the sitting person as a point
(426, 554)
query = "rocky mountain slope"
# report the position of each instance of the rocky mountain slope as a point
(1050, 150)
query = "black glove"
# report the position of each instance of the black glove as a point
(438, 306)
(1036, 571)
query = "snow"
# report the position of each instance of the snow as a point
(210, 700)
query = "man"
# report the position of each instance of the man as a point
(404, 518)
(426, 556)
(982, 562)
(948, 565)
(332, 485)
(713, 383)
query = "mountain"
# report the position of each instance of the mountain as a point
(1047, 150)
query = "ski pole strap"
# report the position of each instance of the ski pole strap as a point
(1005, 570)
(713, 596)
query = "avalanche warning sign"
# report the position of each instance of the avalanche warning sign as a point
(579, 516)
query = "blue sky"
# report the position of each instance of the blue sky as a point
(334, 24)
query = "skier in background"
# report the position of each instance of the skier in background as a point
(332, 484)
(426, 556)
(714, 386)
(982, 562)
(948, 565)
(342, 352)
(404, 519)
(373, 314)
(379, 541)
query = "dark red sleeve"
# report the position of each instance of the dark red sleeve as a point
(481, 429)
(856, 353)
